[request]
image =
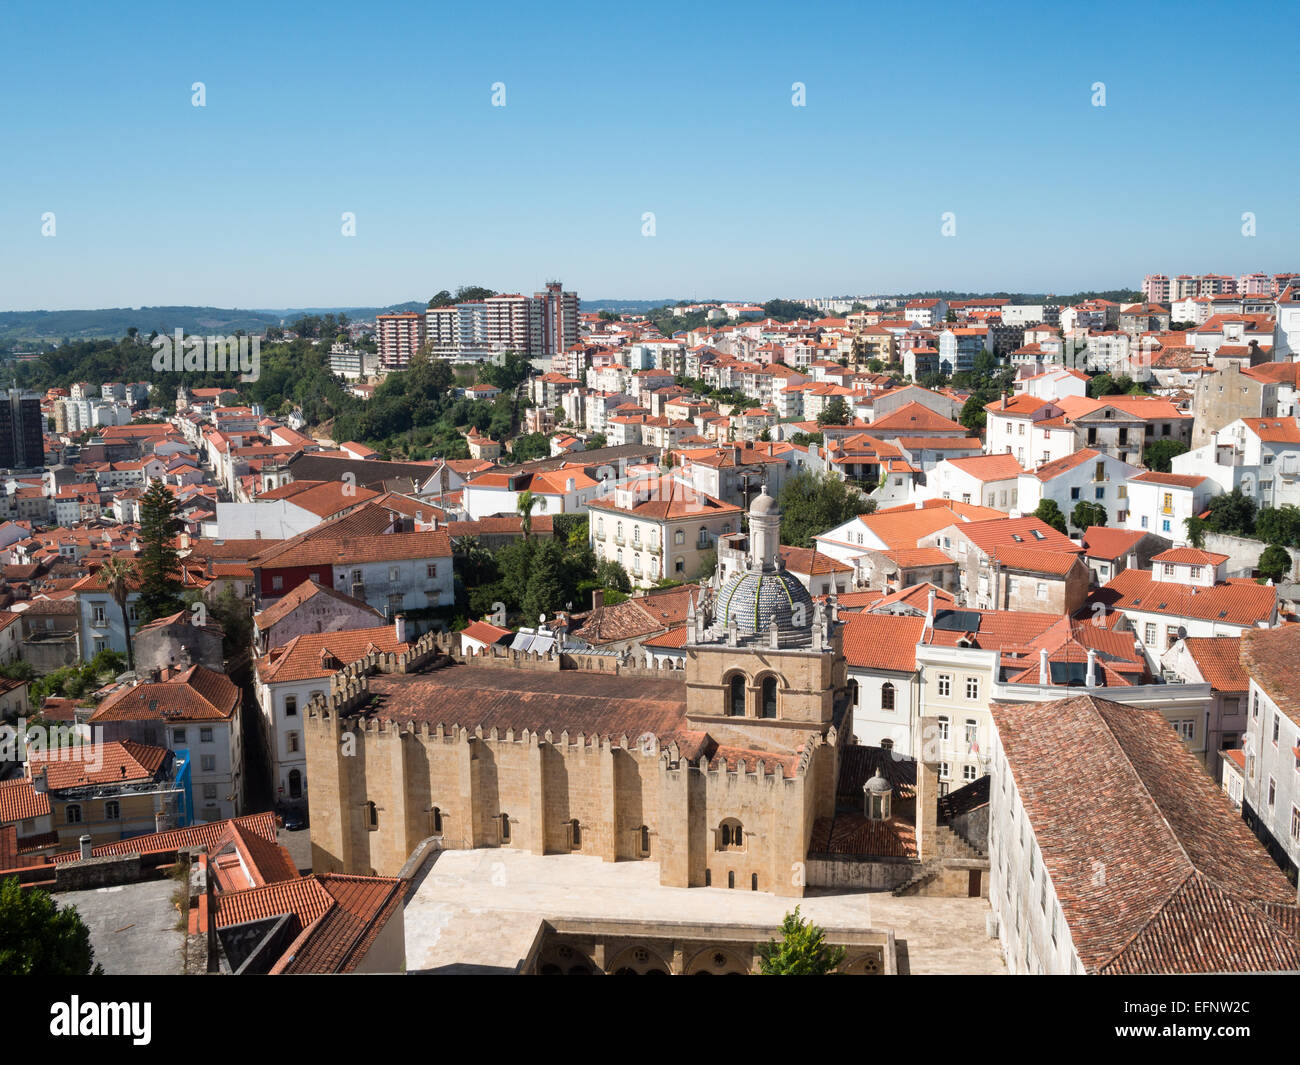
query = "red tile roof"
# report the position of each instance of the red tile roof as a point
(1187, 887)
(1102, 542)
(883, 641)
(19, 801)
(1269, 656)
(1234, 602)
(1218, 658)
(100, 763)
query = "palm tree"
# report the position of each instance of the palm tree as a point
(526, 503)
(474, 558)
(118, 575)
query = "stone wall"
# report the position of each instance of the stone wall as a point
(1243, 554)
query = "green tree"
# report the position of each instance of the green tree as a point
(230, 613)
(545, 592)
(1087, 514)
(1274, 562)
(595, 441)
(119, 577)
(1102, 385)
(802, 950)
(530, 446)
(1048, 511)
(1196, 529)
(526, 504)
(1232, 513)
(836, 412)
(158, 561)
(1160, 454)
(1279, 525)
(973, 415)
(811, 503)
(40, 938)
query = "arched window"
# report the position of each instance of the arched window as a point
(295, 784)
(887, 696)
(753, 881)
(731, 835)
(372, 816)
(505, 827)
(769, 697)
(575, 835)
(679, 537)
(437, 820)
(854, 693)
(736, 696)
(645, 839)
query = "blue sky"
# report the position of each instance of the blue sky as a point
(683, 110)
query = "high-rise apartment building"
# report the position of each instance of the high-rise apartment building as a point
(22, 431)
(399, 336)
(536, 326)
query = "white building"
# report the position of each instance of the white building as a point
(1085, 476)
(1162, 502)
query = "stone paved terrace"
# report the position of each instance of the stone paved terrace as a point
(133, 927)
(478, 911)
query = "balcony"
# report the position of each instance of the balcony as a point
(655, 548)
(600, 536)
(620, 539)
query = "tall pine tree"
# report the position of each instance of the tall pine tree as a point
(158, 561)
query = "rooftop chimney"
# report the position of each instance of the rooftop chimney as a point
(1092, 668)
(1044, 677)
(85, 847)
(597, 598)
(399, 627)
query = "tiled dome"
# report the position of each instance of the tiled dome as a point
(754, 600)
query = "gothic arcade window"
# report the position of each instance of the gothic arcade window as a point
(769, 697)
(736, 696)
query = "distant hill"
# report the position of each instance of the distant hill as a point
(113, 322)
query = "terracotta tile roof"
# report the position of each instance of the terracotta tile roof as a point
(883, 641)
(304, 593)
(1236, 602)
(916, 596)
(851, 832)
(1174, 480)
(912, 558)
(1190, 556)
(1102, 542)
(805, 560)
(999, 467)
(316, 655)
(253, 836)
(1036, 560)
(595, 704)
(1219, 660)
(322, 498)
(19, 801)
(119, 762)
(1187, 886)
(913, 416)
(1004, 532)
(484, 632)
(664, 498)
(1048, 470)
(1275, 431)
(641, 615)
(198, 694)
(670, 640)
(1269, 656)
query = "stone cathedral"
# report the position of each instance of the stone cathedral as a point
(717, 771)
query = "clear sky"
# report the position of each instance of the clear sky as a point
(684, 110)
